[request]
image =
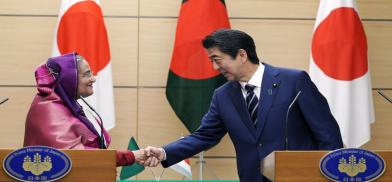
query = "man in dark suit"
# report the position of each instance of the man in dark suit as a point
(252, 107)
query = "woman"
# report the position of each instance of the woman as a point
(55, 117)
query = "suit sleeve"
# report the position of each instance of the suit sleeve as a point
(206, 136)
(317, 114)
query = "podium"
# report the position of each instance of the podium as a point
(303, 166)
(87, 165)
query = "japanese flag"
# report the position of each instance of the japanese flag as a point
(339, 68)
(81, 29)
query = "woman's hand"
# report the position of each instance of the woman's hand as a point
(140, 155)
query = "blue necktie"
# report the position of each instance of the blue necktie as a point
(252, 102)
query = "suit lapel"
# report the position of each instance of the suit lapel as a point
(269, 88)
(240, 105)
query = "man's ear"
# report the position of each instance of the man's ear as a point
(242, 55)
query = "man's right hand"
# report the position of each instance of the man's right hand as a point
(155, 156)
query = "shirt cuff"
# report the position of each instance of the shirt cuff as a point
(164, 154)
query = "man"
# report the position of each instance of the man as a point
(252, 108)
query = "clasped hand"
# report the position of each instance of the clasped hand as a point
(149, 156)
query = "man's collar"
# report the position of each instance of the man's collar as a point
(256, 77)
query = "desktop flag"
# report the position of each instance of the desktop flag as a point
(339, 68)
(81, 29)
(135, 168)
(184, 168)
(192, 79)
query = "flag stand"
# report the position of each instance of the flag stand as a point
(3, 100)
(202, 164)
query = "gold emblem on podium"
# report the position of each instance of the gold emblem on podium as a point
(37, 166)
(352, 167)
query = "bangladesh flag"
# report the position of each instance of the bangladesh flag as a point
(192, 78)
(135, 168)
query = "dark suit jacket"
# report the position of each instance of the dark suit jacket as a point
(311, 125)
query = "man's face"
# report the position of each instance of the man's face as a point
(225, 64)
(85, 79)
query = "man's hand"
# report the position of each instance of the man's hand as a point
(155, 156)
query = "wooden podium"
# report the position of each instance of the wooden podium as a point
(87, 165)
(303, 166)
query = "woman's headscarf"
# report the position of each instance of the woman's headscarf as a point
(61, 75)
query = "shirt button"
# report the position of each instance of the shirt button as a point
(260, 144)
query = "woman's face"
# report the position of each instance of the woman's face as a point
(85, 79)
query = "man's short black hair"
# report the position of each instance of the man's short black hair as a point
(229, 41)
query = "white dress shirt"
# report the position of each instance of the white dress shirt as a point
(255, 80)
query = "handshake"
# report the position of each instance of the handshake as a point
(149, 156)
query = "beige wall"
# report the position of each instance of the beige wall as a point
(141, 34)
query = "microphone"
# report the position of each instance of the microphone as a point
(286, 138)
(385, 97)
(101, 138)
(4, 100)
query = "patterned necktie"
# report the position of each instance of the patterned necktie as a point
(252, 102)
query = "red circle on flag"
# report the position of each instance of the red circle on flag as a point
(82, 30)
(196, 20)
(339, 45)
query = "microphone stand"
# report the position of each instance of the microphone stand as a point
(286, 137)
(101, 138)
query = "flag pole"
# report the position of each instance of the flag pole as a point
(201, 165)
